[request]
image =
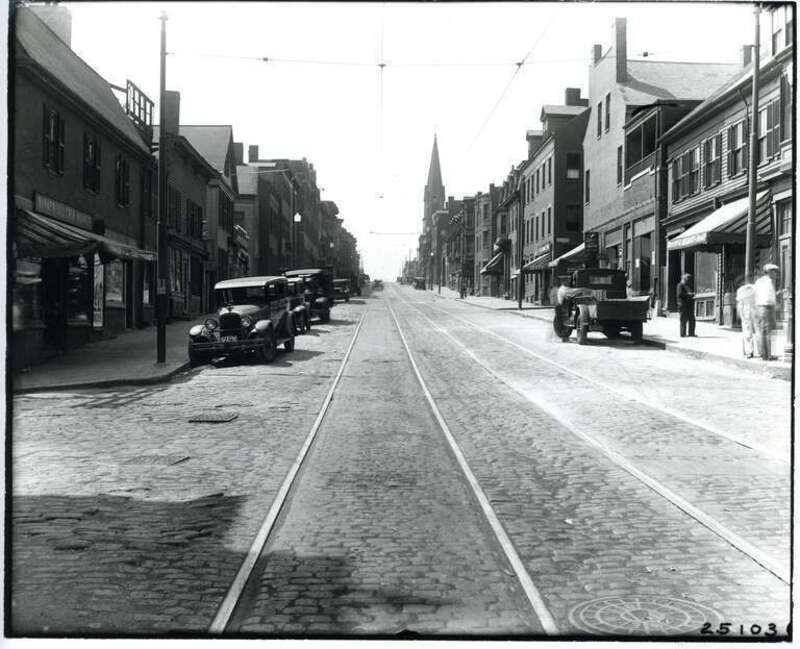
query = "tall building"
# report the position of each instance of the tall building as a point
(434, 202)
(434, 189)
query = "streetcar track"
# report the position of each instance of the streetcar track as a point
(762, 558)
(231, 599)
(771, 453)
(533, 595)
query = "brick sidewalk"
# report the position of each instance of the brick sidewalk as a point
(129, 358)
(713, 343)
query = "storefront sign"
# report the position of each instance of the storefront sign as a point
(562, 239)
(61, 211)
(98, 294)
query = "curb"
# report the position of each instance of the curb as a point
(767, 371)
(147, 380)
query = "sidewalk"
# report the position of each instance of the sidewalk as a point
(127, 359)
(713, 343)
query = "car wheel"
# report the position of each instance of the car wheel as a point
(197, 358)
(268, 349)
(636, 330)
(289, 345)
(583, 334)
(325, 315)
(611, 331)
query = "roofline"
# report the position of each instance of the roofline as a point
(185, 142)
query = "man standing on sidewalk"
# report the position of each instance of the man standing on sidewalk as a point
(766, 299)
(686, 305)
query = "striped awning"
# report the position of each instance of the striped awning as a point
(538, 263)
(728, 224)
(37, 235)
(494, 265)
(575, 255)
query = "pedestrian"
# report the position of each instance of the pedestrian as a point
(746, 307)
(765, 298)
(686, 306)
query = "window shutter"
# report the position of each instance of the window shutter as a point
(745, 144)
(87, 182)
(45, 136)
(776, 127)
(718, 161)
(127, 182)
(60, 149)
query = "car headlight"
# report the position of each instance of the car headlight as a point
(211, 324)
(196, 330)
(246, 321)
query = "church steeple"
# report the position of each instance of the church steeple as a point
(434, 189)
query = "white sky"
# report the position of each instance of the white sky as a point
(329, 113)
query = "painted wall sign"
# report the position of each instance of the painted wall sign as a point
(61, 211)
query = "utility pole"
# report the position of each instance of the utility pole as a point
(749, 254)
(520, 224)
(162, 273)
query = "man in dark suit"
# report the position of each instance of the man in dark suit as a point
(686, 305)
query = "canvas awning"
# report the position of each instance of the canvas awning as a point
(494, 265)
(37, 235)
(575, 255)
(728, 224)
(538, 263)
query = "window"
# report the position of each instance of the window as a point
(194, 219)
(536, 229)
(599, 118)
(549, 219)
(573, 166)
(91, 162)
(537, 182)
(225, 213)
(769, 131)
(783, 213)
(608, 111)
(573, 218)
(122, 184)
(712, 161)
(148, 191)
(173, 208)
(690, 172)
(53, 141)
(586, 189)
(676, 181)
(787, 107)
(550, 170)
(781, 27)
(737, 148)
(619, 165)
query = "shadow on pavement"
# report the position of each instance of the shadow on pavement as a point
(117, 564)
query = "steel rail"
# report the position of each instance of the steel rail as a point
(237, 586)
(760, 448)
(535, 599)
(762, 558)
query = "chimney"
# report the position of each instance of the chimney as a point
(172, 112)
(57, 18)
(238, 153)
(572, 97)
(534, 138)
(252, 152)
(621, 49)
(597, 53)
(747, 55)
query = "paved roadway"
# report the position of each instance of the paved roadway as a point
(639, 492)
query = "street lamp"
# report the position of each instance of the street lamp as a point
(297, 219)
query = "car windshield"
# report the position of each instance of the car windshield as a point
(241, 295)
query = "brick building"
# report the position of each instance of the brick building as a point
(83, 226)
(488, 264)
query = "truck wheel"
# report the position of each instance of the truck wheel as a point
(636, 330)
(267, 351)
(611, 330)
(583, 334)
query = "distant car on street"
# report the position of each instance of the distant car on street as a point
(596, 300)
(319, 292)
(254, 317)
(377, 284)
(341, 289)
(297, 303)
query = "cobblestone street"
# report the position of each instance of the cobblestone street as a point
(605, 489)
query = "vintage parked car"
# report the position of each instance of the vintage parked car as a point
(254, 317)
(319, 290)
(341, 289)
(596, 300)
(298, 305)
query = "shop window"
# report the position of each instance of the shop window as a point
(91, 162)
(115, 283)
(27, 293)
(737, 148)
(122, 176)
(53, 141)
(705, 272)
(147, 284)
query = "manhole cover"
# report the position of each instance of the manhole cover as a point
(163, 460)
(213, 417)
(642, 616)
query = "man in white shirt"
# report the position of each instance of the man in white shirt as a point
(765, 298)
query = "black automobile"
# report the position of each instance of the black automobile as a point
(254, 317)
(341, 289)
(301, 309)
(319, 292)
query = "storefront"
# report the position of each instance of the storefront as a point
(538, 276)
(70, 286)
